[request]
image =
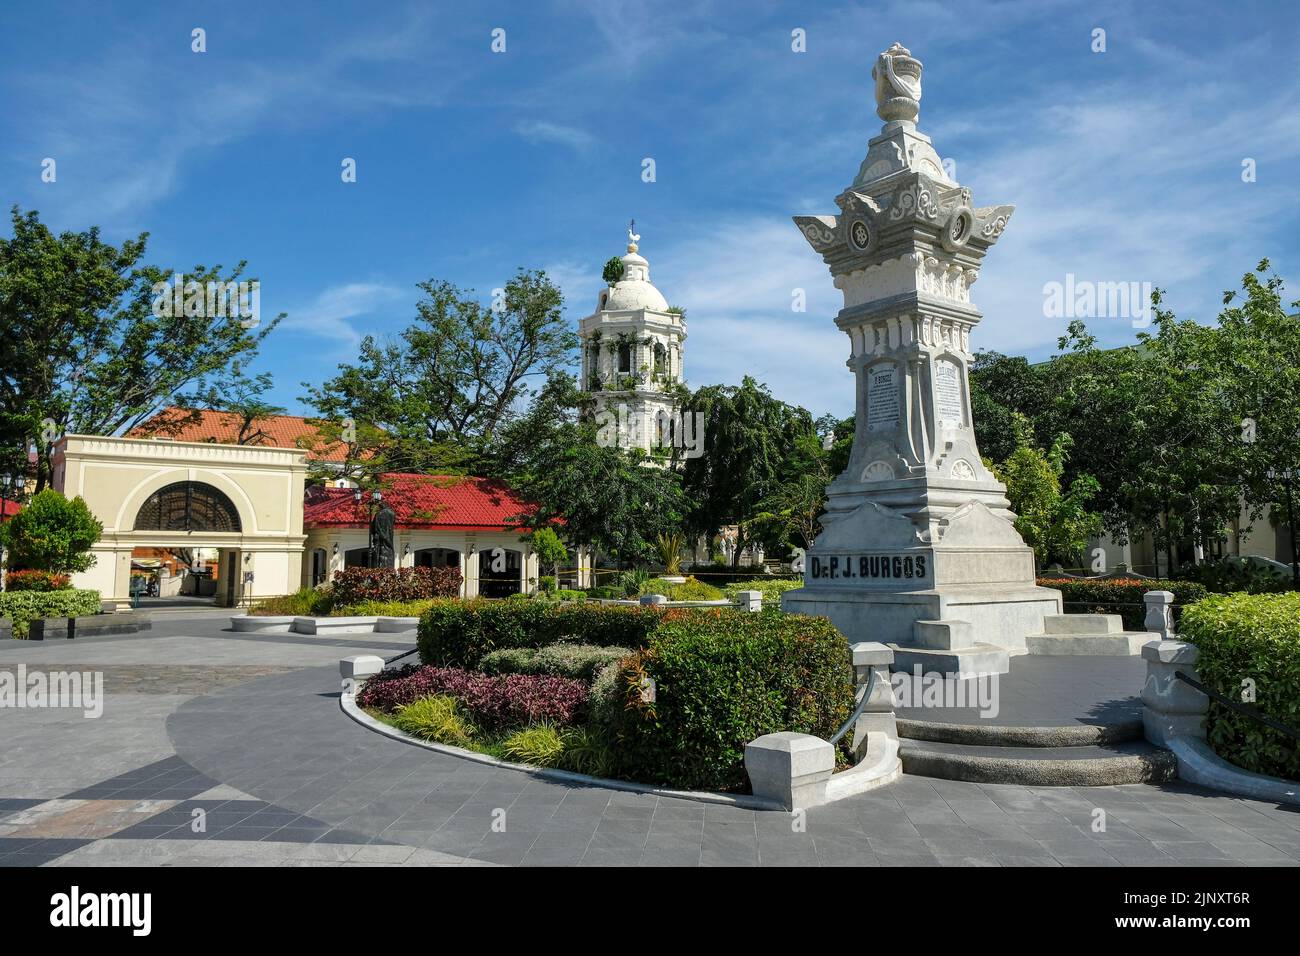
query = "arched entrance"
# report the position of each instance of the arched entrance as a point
(437, 558)
(499, 572)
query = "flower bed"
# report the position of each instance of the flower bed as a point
(679, 696)
(494, 702)
(1122, 596)
(1250, 638)
(35, 580)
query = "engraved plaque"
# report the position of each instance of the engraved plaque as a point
(882, 398)
(947, 392)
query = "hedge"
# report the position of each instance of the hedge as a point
(23, 607)
(354, 585)
(305, 602)
(579, 661)
(1250, 637)
(771, 588)
(455, 633)
(1122, 596)
(721, 679)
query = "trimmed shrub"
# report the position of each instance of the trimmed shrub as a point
(579, 661)
(434, 718)
(35, 580)
(511, 700)
(461, 633)
(541, 746)
(1250, 637)
(546, 583)
(688, 590)
(720, 680)
(771, 588)
(354, 585)
(566, 594)
(1122, 596)
(606, 593)
(23, 607)
(723, 574)
(305, 602)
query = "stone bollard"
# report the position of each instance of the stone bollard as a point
(1171, 708)
(1160, 613)
(355, 671)
(651, 600)
(790, 769)
(877, 716)
(749, 600)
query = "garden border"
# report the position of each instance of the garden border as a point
(348, 704)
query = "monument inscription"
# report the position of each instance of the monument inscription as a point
(947, 391)
(882, 398)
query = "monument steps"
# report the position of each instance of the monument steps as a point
(1092, 765)
(1005, 737)
(1086, 635)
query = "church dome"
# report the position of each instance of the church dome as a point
(634, 290)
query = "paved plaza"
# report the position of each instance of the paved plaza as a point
(247, 729)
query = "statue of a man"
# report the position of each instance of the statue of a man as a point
(381, 537)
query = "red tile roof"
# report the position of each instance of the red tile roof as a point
(222, 428)
(445, 502)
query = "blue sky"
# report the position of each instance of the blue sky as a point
(1123, 165)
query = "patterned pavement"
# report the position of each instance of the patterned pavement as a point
(218, 749)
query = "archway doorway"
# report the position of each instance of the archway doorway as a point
(499, 572)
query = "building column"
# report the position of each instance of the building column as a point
(470, 571)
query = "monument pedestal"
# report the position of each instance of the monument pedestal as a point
(918, 550)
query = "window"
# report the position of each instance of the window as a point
(661, 357)
(187, 506)
(625, 358)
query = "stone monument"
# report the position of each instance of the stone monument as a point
(918, 549)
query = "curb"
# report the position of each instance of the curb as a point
(348, 704)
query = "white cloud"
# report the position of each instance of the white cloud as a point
(329, 315)
(540, 131)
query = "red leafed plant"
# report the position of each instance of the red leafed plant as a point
(495, 702)
(354, 585)
(36, 580)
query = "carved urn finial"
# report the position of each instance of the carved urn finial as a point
(898, 84)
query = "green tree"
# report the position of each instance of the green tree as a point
(451, 380)
(608, 498)
(82, 348)
(240, 395)
(613, 271)
(751, 445)
(549, 549)
(1056, 524)
(51, 534)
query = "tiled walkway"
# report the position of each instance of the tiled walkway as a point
(223, 749)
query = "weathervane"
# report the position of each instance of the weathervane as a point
(632, 237)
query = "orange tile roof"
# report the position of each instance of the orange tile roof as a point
(222, 428)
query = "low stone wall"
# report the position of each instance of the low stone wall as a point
(321, 626)
(96, 625)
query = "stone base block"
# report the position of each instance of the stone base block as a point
(1083, 624)
(962, 663)
(790, 769)
(396, 625)
(1001, 615)
(1127, 644)
(261, 624)
(334, 625)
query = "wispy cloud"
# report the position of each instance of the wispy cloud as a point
(329, 315)
(540, 131)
